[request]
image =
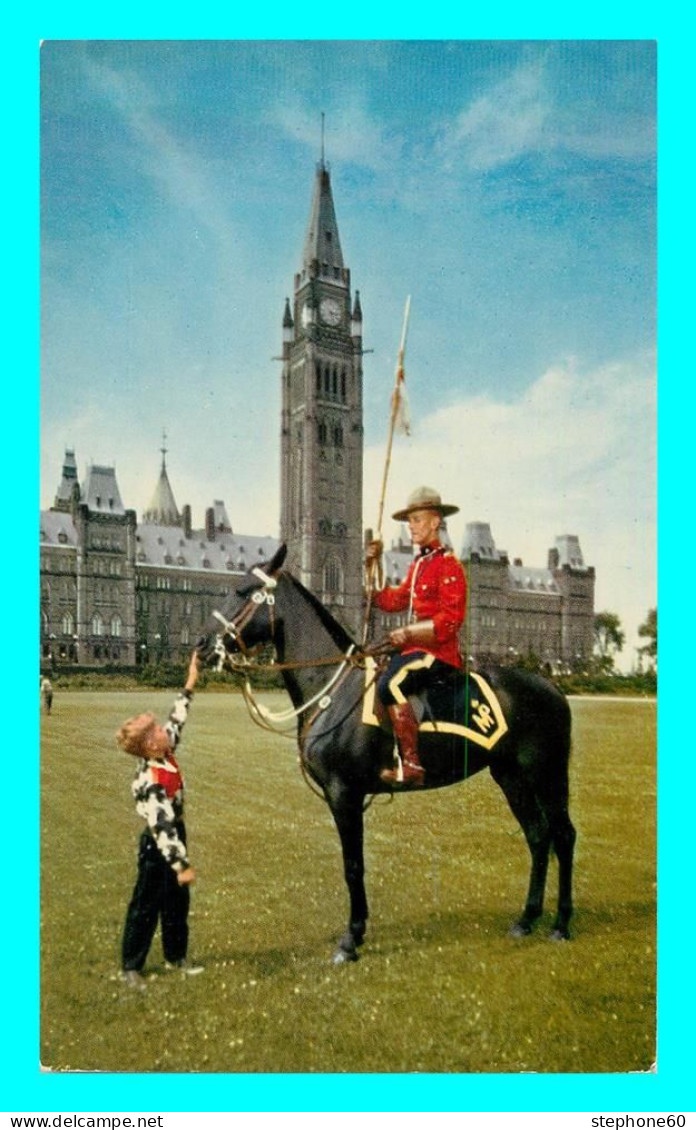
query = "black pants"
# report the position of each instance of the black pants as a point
(156, 895)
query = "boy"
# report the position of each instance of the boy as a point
(164, 872)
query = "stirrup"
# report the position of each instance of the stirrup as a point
(396, 778)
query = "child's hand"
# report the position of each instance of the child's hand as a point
(192, 672)
(188, 875)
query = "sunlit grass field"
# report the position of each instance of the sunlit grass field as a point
(440, 985)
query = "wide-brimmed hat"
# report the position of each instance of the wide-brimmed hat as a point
(424, 498)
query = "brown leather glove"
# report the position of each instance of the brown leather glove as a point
(422, 633)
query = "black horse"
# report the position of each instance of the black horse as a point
(343, 753)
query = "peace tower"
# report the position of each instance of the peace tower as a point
(321, 418)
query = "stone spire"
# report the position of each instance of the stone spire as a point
(322, 244)
(162, 510)
(68, 482)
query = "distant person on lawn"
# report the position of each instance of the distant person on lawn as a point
(164, 871)
(46, 689)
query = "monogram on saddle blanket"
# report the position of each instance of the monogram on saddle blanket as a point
(460, 721)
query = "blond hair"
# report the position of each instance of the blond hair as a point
(133, 733)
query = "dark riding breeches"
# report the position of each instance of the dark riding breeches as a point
(410, 674)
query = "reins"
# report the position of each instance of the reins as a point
(277, 722)
(283, 722)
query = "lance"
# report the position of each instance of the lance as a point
(396, 401)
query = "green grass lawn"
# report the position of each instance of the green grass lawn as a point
(440, 985)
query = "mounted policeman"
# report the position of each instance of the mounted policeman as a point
(433, 593)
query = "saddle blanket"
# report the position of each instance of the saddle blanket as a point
(463, 704)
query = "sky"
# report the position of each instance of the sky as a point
(508, 188)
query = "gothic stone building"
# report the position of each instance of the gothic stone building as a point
(118, 592)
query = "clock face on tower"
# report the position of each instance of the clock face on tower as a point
(330, 310)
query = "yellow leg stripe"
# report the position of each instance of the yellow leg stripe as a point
(415, 665)
(479, 738)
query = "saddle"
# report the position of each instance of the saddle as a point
(463, 704)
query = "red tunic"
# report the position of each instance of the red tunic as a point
(434, 589)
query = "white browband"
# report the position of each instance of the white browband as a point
(269, 582)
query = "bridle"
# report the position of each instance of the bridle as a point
(284, 720)
(234, 627)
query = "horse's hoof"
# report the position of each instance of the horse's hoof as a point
(341, 957)
(520, 930)
(559, 935)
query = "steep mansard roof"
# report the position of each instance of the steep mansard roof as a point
(56, 528)
(100, 491)
(165, 545)
(160, 545)
(532, 580)
(160, 539)
(478, 538)
(569, 551)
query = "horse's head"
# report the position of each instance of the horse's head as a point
(247, 619)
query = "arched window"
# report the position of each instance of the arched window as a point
(332, 580)
(97, 625)
(115, 625)
(67, 626)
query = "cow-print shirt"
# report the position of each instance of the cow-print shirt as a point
(158, 789)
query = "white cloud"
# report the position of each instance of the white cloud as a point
(576, 454)
(524, 113)
(158, 153)
(353, 136)
(505, 122)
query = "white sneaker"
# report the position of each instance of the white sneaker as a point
(184, 967)
(133, 979)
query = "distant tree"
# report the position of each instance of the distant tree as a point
(609, 639)
(530, 661)
(648, 630)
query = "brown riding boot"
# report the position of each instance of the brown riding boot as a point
(405, 726)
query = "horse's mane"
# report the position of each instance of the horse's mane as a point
(338, 634)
